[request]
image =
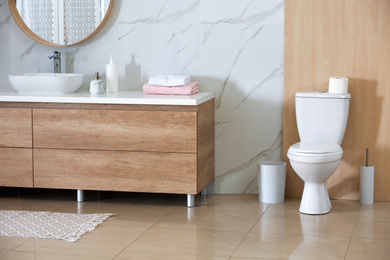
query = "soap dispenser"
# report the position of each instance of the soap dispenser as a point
(96, 86)
(112, 76)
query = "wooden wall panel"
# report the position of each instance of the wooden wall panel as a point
(342, 38)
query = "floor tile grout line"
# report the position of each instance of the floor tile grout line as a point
(350, 239)
(13, 249)
(144, 232)
(250, 231)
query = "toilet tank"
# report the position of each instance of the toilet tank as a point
(321, 116)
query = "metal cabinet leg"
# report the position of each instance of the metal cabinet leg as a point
(190, 200)
(80, 195)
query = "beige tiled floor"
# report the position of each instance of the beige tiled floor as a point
(153, 226)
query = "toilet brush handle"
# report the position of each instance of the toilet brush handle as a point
(366, 156)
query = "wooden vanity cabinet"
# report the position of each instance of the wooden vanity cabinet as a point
(138, 148)
(16, 147)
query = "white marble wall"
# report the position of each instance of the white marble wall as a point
(231, 47)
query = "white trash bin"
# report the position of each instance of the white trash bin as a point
(272, 181)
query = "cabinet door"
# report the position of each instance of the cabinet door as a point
(161, 131)
(16, 167)
(115, 170)
(15, 127)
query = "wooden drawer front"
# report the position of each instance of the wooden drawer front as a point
(166, 131)
(115, 170)
(15, 127)
(16, 167)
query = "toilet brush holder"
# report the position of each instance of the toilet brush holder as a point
(366, 183)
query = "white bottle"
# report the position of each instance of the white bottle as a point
(96, 86)
(112, 76)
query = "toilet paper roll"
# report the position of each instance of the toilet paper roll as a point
(338, 85)
(366, 185)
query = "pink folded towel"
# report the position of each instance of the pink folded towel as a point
(188, 89)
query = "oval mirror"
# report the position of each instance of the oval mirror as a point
(60, 22)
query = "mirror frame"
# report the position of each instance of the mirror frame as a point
(19, 21)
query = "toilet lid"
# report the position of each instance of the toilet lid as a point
(315, 148)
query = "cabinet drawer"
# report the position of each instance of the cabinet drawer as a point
(16, 167)
(15, 127)
(115, 170)
(167, 131)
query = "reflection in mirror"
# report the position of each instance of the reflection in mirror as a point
(63, 22)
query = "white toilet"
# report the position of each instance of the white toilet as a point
(321, 118)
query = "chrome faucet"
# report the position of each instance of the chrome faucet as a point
(56, 56)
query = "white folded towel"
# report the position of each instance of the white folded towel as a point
(169, 80)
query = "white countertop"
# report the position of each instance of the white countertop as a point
(122, 97)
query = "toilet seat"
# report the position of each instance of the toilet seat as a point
(315, 152)
(315, 149)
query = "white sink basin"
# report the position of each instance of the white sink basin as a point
(51, 83)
